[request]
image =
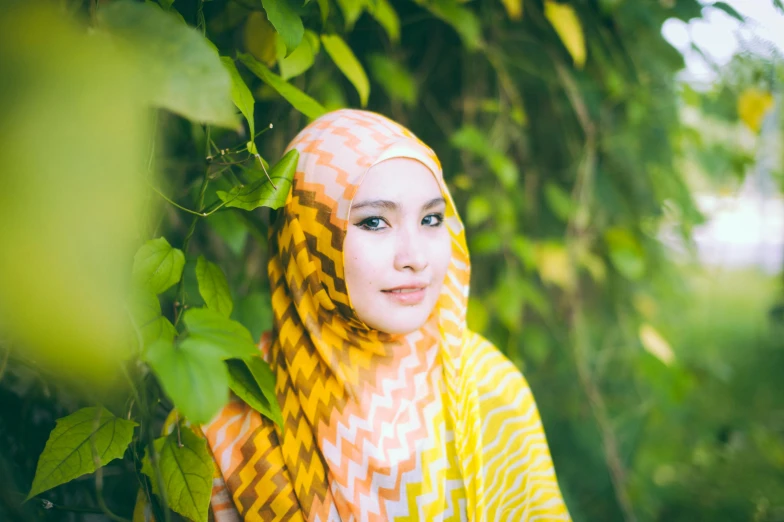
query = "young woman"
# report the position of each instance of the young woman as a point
(393, 409)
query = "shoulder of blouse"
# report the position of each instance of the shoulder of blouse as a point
(481, 354)
(497, 378)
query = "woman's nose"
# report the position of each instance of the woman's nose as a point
(410, 253)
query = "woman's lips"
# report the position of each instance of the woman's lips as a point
(406, 295)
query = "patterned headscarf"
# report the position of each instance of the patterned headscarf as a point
(376, 426)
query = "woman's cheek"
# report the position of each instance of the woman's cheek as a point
(442, 252)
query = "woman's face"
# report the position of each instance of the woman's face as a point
(397, 247)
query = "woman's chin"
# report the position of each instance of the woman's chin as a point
(403, 323)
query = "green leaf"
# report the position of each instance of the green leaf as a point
(504, 169)
(525, 251)
(564, 20)
(157, 266)
(181, 67)
(301, 59)
(534, 297)
(626, 253)
(262, 193)
(486, 241)
(386, 16)
(393, 78)
(348, 64)
(192, 376)
(324, 8)
(220, 335)
(461, 18)
(253, 382)
(213, 287)
(255, 312)
(260, 38)
(332, 95)
(509, 302)
(727, 8)
(471, 139)
(479, 210)
(230, 227)
(240, 94)
(145, 309)
(301, 101)
(559, 201)
(68, 453)
(514, 8)
(284, 18)
(351, 9)
(186, 470)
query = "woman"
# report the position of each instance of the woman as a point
(392, 409)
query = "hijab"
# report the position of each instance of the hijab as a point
(375, 426)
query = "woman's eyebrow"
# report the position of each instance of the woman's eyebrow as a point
(379, 203)
(391, 205)
(433, 203)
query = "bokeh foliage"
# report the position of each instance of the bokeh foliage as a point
(560, 130)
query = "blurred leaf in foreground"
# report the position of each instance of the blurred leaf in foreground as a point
(655, 344)
(74, 135)
(182, 68)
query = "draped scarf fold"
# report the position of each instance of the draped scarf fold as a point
(376, 426)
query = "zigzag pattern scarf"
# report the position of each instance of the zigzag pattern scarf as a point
(376, 427)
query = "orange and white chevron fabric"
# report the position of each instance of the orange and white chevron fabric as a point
(432, 425)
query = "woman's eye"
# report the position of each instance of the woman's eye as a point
(433, 220)
(371, 223)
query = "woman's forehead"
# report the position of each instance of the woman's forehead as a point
(337, 150)
(398, 180)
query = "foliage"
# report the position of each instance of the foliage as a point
(186, 468)
(81, 442)
(560, 129)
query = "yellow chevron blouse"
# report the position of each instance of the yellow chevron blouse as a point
(433, 425)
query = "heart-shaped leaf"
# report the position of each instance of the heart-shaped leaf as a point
(157, 265)
(145, 309)
(192, 376)
(219, 334)
(186, 468)
(213, 287)
(68, 453)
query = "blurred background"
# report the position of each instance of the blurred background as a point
(619, 165)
